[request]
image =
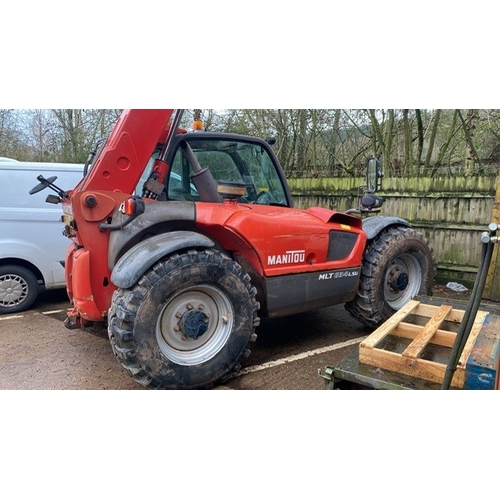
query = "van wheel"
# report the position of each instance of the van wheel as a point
(18, 289)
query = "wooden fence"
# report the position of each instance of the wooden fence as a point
(451, 212)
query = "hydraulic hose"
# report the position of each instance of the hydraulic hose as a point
(472, 307)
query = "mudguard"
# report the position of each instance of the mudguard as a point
(132, 266)
(373, 226)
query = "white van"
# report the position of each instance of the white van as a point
(32, 246)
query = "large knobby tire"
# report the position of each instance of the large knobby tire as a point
(187, 323)
(18, 289)
(397, 266)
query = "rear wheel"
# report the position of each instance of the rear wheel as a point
(18, 289)
(187, 323)
(397, 266)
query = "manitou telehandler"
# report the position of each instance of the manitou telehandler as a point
(180, 240)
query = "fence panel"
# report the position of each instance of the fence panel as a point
(451, 212)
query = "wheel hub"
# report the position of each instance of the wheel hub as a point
(12, 290)
(194, 324)
(398, 280)
(402, 280)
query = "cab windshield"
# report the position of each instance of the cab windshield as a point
(231, 161)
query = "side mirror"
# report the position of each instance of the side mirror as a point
(48, 183)
(44, 183)
(374, 175)
(372, 202)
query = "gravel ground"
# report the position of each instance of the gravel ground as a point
(38, 352)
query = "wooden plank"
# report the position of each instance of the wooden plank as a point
(420, 368)
(427, 332)
(378, 335)
(476, 328)
(492, 288)
(490, 329)
(427, 311)
(441, 337)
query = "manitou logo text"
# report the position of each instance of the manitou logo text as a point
(291, 257)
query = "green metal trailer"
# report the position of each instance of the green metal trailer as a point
(430, 344)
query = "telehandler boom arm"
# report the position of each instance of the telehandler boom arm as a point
(123, 156)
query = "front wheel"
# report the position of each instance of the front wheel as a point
(187, 323)
(397, 266)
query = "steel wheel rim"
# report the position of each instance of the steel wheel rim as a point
(203, 304)
(13, 290)
(405, 268)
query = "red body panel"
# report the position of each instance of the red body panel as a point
(80, 285)
(88, 277)
(277, 241)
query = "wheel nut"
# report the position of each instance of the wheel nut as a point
(189, 307)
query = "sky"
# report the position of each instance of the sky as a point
(381, 54)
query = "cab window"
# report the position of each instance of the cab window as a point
(228, 161)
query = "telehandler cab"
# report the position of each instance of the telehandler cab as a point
(180, 240)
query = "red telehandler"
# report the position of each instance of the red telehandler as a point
(180, 240)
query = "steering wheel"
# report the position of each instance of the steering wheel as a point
(265, 198)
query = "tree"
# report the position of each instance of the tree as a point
(310, 142)
(420, 138)
(11, 134)
(469, 125)
(408, 141)
(430, 148)
(382, 122)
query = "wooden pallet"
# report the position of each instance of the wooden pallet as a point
(420, 348)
